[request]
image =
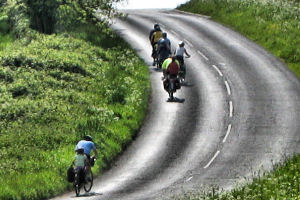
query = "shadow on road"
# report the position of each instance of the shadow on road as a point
(156, 69)
(176, 100)
(89, 194)
(187, 84)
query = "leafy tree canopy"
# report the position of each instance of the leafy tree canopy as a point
(46, 16)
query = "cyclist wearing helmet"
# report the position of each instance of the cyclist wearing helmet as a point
(156, 26)
(87, 145)
(164, 43)
(166, 64)
(180, 51)
(164, 48)
(154, 37)
(80, 160)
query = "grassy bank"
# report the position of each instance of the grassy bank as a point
(274, 25)
(6, 37)
(280, 184)
(55, 89)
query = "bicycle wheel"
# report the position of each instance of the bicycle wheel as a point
(89, 183)
(77, 184)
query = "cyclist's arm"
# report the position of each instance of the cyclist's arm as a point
(188, 55)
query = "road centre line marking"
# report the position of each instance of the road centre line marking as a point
(206, 58)
(187, 180)
(213, 158)
(230, 109)
(218, 70)
(228, 88)
(162, 25)
(189, 43)
(173, 32)
(227, 133)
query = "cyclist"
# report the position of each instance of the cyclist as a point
(164, 48)
(164, 42)
(166, 64)
(180, 51)
(173, 68)
(154, 37)
(156, 26)
(171, 73)
(80, 162)
(88, 145)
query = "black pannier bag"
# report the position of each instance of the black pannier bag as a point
(71, 174)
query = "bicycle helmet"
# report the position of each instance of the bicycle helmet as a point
(80, 150)
(156, 25)
(164, 35)
(181, 43)
(88, 138)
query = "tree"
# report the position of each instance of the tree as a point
(44, 15)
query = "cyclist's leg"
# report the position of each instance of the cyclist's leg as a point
(88, 168)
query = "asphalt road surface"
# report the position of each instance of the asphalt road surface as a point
(240, 114)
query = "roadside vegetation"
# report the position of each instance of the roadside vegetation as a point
(275, 25)
(57, 84)
(282, 183)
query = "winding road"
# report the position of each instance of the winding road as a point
(240, 115)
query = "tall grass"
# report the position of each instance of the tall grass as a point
(275, 25)
(282, 183)
(55, 89)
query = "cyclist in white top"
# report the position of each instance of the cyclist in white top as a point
(180, 51)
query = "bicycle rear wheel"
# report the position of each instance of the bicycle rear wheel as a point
(89, 183)
(77, 184)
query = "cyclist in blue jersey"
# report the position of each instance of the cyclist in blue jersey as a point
(88, 146)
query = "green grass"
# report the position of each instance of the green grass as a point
(55, 89)
(6, 37)
(275, 25)
(280, 184)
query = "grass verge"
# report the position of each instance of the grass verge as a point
(55, 89)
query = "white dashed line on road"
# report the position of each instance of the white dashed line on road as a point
(218, 70)
(230, 109)
(201, 54)
(189, 43)
(212, 160)
(228, 88)
(173, 32)
(187, 180)
(227, 133)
